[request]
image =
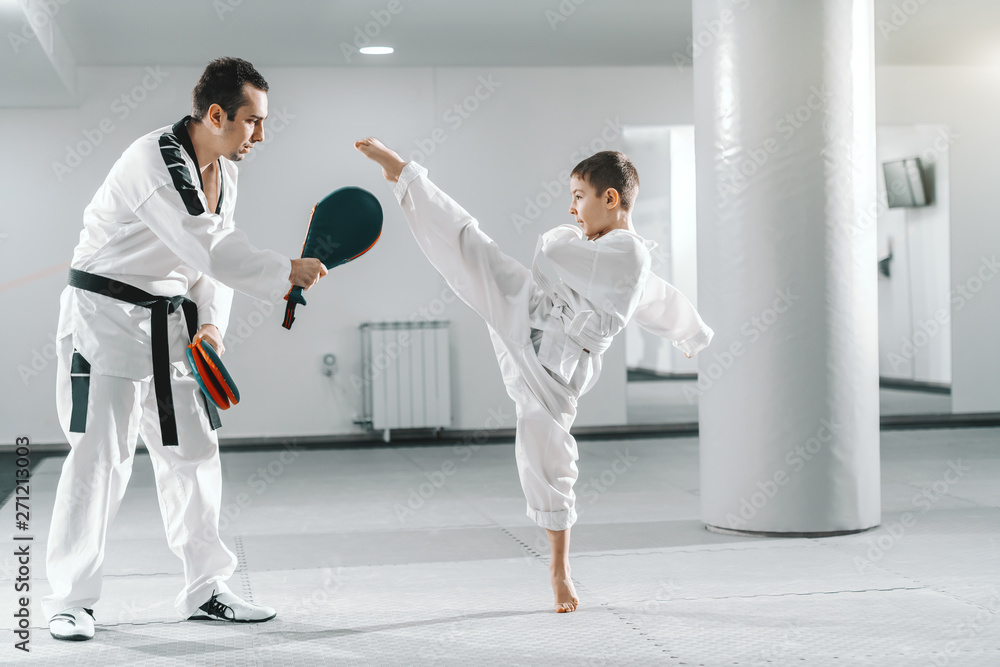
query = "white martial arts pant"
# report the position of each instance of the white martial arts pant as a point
(501, 290)
(97, 470)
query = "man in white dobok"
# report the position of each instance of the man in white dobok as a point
(157, 262)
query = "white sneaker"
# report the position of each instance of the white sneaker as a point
(75, 624)
(230, 607)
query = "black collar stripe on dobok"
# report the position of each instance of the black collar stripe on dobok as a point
(171, 145)
(161, 306)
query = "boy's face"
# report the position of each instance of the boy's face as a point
(593, 211)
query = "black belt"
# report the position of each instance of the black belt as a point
(161, 306)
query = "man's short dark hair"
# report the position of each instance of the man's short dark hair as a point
(222, 83)
(610, 169)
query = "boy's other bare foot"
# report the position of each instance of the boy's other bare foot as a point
(392, 165)
(565, 593)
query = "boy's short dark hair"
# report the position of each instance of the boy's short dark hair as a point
(610, 169)
(222, 83)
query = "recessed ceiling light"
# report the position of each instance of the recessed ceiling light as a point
(376, 50)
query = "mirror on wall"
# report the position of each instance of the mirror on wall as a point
(662, 382)
(914, 283)
(914, 278)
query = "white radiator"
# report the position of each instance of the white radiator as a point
(405, 374)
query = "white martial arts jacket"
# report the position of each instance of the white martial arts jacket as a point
(589, 290)
(149, 226)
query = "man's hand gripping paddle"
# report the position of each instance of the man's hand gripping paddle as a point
(343, 226)
(212, 377)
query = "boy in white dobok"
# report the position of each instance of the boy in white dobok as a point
(551, 324)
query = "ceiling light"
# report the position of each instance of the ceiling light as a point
(376, 50)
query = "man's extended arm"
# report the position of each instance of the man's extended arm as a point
(224, 253)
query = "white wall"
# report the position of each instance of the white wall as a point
(914, 303)
(508, 151)
(965, 99)
(504, 159)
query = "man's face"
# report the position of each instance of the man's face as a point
(247, 128)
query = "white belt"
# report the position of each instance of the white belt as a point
(566, 337)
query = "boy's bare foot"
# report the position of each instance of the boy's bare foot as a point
(562, 585)
(392, 165)
(565, 593)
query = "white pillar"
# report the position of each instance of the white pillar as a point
(785, 153)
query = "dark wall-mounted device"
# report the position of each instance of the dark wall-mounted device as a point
(906, 183)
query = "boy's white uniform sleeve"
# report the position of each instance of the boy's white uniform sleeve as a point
(202, 242)
(664, 311)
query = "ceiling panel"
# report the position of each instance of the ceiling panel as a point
(326, 33)
(424, 32)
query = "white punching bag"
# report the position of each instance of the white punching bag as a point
(785, 159)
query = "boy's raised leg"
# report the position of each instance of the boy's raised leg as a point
(562, 585)
(392, 165)
(492, 283)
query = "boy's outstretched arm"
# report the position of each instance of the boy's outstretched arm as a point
(664, 311)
